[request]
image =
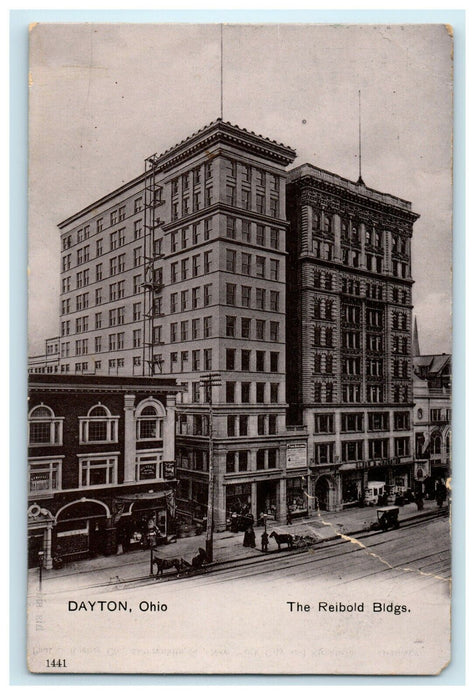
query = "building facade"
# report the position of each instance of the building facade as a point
(49, 361)
(101, 460)
(182, 272)
(349, 360)
(432, 420)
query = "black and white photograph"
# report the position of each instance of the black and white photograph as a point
(240, 348)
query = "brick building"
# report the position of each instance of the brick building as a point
(101, 460)
(349, 361)
(181, 272)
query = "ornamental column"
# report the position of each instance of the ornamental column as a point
(129, 438)
(169, 429)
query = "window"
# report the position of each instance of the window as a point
(184, 269)
(401, 447)
(246, 200)
(324, 453)
(274, 393)
(95, 471)
(245, 392)
(352, 422)
(148, 467)
(260, 203)
(274, 207)
(207, 358)
(231, 226)
(137, 205)
(231, 294)
(45, 475)
(230, 326)
(260, 298)
(44, 427)
(274, 301)
(402, 420)
(260, 234)
(231, 426)
(324, 423)
(230, 392)
(245, 360)
(195, 360)
(273, 330)
(230, 260)
(150, 421)
(195, 267)
(137, 284)
(230, 359)
(137, 338)
(195, 328)
(184, 237)
(245, 327)
(260, 360)
(207, 326)
(99, 426)
(184, 299)
(98, 343)
(260, 389)
(274, 238)
(274, 361)
(260, 266)
(260, 329)
(207, 229)
(352, 451)
(245, 264)
(378, 448)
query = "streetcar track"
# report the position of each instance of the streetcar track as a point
(264, 565)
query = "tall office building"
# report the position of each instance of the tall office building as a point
(349, 306)
(182, 271)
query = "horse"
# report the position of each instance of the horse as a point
(283, 539)
(167, 564)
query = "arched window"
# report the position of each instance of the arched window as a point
(99, 426)
(150, 421)
(44, 427)
(435, 444)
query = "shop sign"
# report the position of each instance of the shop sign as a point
(422, 470)
(296, 455)
(168, 470)
(148, 471)
(385, 462)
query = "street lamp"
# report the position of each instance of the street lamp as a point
(208, 381)
(41, 556)
(152, 541)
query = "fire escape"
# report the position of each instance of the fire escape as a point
(152, 270)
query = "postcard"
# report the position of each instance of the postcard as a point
(239, 410)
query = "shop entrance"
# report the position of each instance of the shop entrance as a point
(80, 530)
(322, 493)
(267, 498)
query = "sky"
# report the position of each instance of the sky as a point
(105, 96)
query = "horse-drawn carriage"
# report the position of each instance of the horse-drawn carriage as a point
(181, 566)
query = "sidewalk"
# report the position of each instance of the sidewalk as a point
(228, 546)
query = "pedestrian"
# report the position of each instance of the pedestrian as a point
(247, 538)
(252, 537)
(289, 517)
(419, 501)
(264, 541)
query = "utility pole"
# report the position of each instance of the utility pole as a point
(208, 381)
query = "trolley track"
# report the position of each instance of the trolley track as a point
(322, 557)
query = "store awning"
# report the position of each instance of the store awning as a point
(133, 497)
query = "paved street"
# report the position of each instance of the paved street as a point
(420, 547)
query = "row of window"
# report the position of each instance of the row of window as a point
(354, 232)
(354, 450)
(99, 426)
(355, 422)
(325, 392)
(46, 474)
(112, 219)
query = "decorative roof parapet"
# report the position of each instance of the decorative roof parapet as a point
(218, 131)
(358, 189)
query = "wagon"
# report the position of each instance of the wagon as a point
(387, 518)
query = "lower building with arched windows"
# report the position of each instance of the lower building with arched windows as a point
(432, 421)
(101, 466)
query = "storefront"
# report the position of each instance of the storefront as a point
(141, 513)
(352, 486)
(297, 501)
(83, 529)
(238, 499)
